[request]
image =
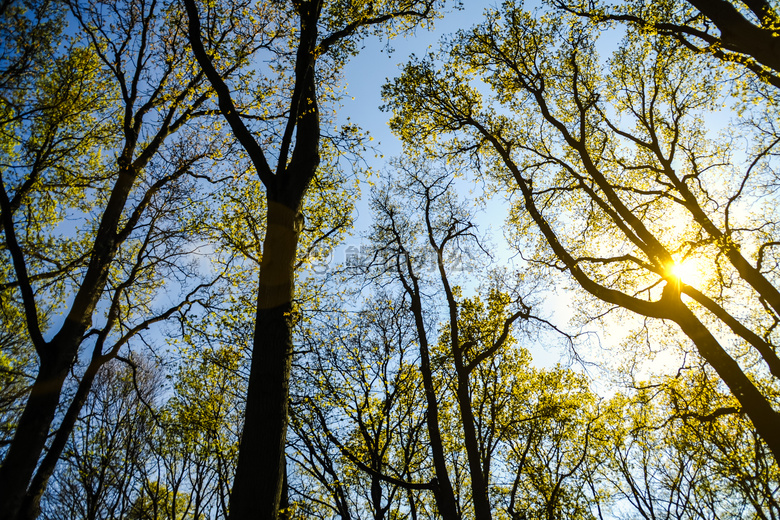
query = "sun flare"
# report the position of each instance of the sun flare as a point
(689, 271)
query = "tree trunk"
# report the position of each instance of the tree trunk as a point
(479, 491)
(259, 475)
(739, 34)
(443, 492)
(31, 504)
(30, 437)
(757, 407)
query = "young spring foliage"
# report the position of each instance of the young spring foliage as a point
(617, 177)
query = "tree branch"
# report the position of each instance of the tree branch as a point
(226, 105)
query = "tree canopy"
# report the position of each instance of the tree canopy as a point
(180, 336)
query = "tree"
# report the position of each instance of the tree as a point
(28, 34)
(403, 240)
(361, 389)
(747, 30)
(669, 456)
(306, 44)
(382, 405)
(98, 201)
(202, 423)
(615, 171)
(105, 457)
(554, 444)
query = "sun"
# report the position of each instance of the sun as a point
(689, 271)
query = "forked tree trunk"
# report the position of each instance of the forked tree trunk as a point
(30, 436)
(58, 355)
(31, 504)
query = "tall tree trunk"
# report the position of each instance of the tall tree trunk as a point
(260, 469)
(443, 492)
(479, 489)
(31, 433)
(31, 504)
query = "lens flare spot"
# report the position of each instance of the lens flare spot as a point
(687, 271)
